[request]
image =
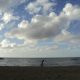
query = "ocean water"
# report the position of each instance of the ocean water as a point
(38, 61)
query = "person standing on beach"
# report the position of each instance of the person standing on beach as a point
(42, 63)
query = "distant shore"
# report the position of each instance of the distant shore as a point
(1, 58)
(40, 73)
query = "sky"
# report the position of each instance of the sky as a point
(39, 28)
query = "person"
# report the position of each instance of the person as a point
(42, 63)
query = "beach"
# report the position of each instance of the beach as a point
(39, 73)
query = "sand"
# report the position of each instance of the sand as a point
(40, 73)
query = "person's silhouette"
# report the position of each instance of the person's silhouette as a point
(42, 63)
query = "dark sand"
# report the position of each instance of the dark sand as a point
(40, 73)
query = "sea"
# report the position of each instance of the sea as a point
(66, 61)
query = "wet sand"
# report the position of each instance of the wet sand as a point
(40, 73)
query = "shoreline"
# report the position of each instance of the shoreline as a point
(39, 73)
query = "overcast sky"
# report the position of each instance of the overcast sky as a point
(39, 28)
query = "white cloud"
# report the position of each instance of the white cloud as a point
(8, 4)
(32, 49)
(10, 25)
(0, 14)
(69, 48)
(6, 44)
(23, 24)
(0, 36)
(1, 26)
(44, 27)
(55, 47)
(30, 42)
(8, 17)
(44, 48)
(72, 11)
(76, 25)
(23, 1)
(40, 28)
(65, 36)
(73, 47)
(40, 5)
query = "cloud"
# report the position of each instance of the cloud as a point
(69, 48)
(73, 47)
(40, 28)
(76, 25)
(1, 26)
(44, 48)
(10, 25)
(65, 36)
(8, 17)
(6, 44)
(0, 36)
(23, 24)
(23, 1)
(30, 42)
(40, 5)
(0, 14)
(54, 47)
(8, 4)
(49, 26)
(72, 12)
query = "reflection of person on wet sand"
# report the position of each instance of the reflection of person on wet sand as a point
(42, 63)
